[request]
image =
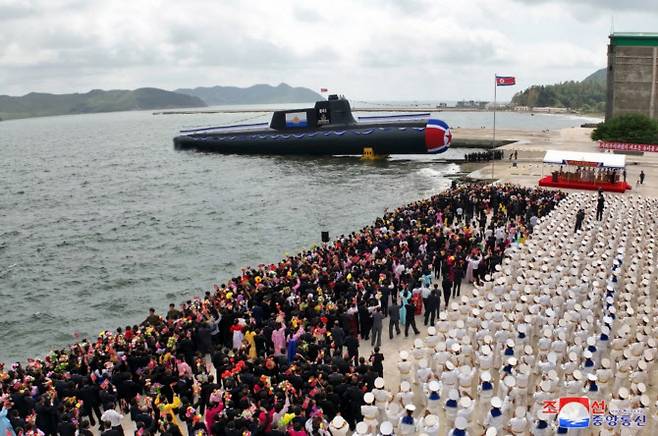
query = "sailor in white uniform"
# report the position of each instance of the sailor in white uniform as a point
(449, 378)
(604, 376)
(405, 396)
(430, 425)
(434, 398)
(338, 426)
(542, 428)
(432, 339)
(461, 424)
(419, 352)
(362, 429)
(439, 358)
(495, 417)
(485, 358)
(451, 406)
(405, 367)
(394, 411)
(386, 428)
(486, 388)
(408, 424)
(370, 412)
(466, 407)
(466, 375)
(519, 424)
(382, 396)
(423, 373)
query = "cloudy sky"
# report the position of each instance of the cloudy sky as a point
(365, 49)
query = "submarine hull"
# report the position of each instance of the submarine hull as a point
(398, 139)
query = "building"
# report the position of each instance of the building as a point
(472, 104)
(632, 81)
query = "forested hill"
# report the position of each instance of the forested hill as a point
(40, 104)
(588, 95)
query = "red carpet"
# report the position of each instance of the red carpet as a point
(610, 187)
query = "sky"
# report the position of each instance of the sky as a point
(368, 50)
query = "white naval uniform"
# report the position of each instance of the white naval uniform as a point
(382, 396)
(405, 367)
(405, 398)
(371, 417)
(519, 426)
(429, 430)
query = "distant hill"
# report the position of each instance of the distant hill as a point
(40, 104)
(257, 94)
(589, 95)
(598, 76)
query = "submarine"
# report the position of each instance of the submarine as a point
(328, 128)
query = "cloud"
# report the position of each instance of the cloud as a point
(368, 49)
(614, 5)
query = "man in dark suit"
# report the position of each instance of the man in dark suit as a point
(394, 318)
(432, 307)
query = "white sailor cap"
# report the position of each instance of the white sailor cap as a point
(386, 428)
(361, 428)
(338, 422)
(465, 402)
(461, 423)
(431, 420)
(509, 381)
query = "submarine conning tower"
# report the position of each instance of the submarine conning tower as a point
(335, 111)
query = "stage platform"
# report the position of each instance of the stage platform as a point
(566, 184)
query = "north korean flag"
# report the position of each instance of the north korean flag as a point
(505, 80)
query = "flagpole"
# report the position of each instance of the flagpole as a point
(494, 126)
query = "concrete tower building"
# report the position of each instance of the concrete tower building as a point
(632, 80)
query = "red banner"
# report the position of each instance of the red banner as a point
(625, 146)
(582, 163)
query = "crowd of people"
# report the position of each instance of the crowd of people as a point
(565, 316)
(484, 156)
(275, 350)
(589, 175)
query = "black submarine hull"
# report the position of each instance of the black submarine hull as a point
(329, 128)
(398, 139)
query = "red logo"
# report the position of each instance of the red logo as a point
(550, 407)
(598, 407)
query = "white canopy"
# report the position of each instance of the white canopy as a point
(577, 158)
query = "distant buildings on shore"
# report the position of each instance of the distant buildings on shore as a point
(481, 105)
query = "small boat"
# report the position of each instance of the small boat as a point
(328, 128)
